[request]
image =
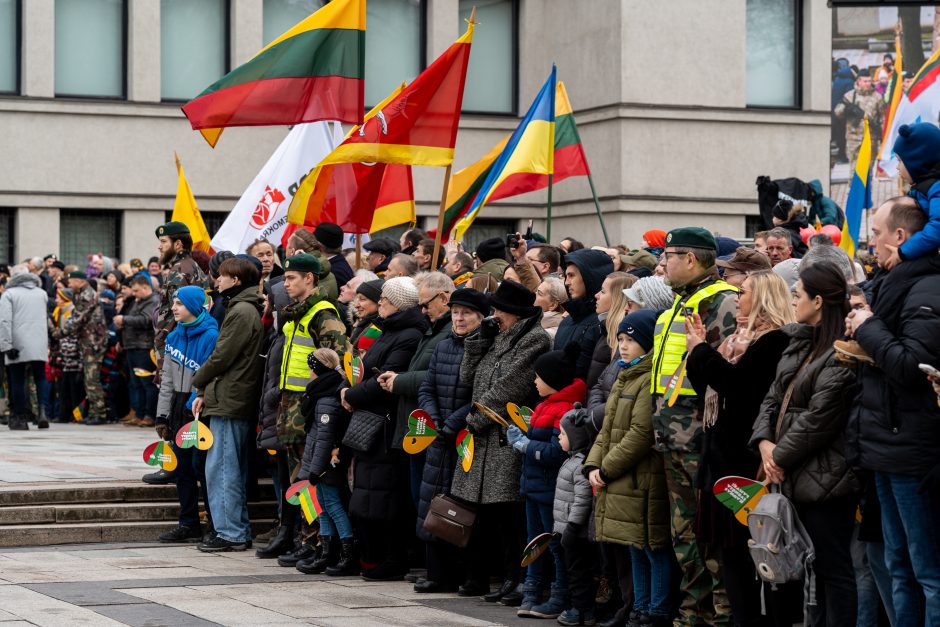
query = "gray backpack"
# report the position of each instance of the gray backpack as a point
(780, 547)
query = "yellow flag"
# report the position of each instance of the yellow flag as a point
(186, 211)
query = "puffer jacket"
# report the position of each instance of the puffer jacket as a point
(894, 425)
(581, 325)
(500, 370)
(811, 447)
(408, 381)
(137, 332)
(543, 456)
(326, 422)
(600, 356)
(598, 395)
(447, 401)
(633, 508)
(574, 497)
(271, 397)
(187, 348)
(23, 319)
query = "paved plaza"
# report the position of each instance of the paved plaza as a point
(153, 584)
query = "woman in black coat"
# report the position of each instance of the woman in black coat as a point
(381, 499)
(447, 401)
(734, 380)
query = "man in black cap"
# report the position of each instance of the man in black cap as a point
(380, 250)
(331, 237)
(677, 420)
(491, 257)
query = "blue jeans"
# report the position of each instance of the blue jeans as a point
(652, 574)
(875, 552)
(226, 473)
(333, 519)
(539, 519)
(143, 393)
(911, 524)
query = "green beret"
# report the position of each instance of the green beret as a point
(172, 228)
(691, 237)
(78, 274)
(302, 262)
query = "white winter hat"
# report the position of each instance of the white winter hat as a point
(651, 292)
(401, 292)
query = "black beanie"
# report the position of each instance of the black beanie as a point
(371, 289)
(492, 248)
(574, 422)
(557, 368)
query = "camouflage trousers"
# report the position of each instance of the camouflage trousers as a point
(290, 420)
(704, 600)
(94, 392)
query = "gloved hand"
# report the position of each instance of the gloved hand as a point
(930, 482)
(163, 431)
(447, 435)
(314, 478)
(13, 354)
(489, 328)
(571, 534)
(517, 440)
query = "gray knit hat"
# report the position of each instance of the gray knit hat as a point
(651, 292)
(401, 292)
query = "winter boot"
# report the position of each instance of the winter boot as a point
(282, 543)
(19, 422)
(556, 604)
(347, 564)
(326, 552)
(43, 421)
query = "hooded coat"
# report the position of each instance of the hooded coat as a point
(229, 379)
(811, 447)
(500, 370)
(326, 422)
(23, 319)
(186, 350)
(633, 509)
(581, 325)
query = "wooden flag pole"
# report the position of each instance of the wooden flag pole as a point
(358, 251)
(548, 226)
(597, 206)
(440, 215)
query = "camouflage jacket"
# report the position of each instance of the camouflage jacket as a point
(87, 322)
(183, 271)
(679, 428)
(326, 328)
(871, 103)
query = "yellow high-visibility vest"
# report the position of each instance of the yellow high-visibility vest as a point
(669, 338)
(295, 373)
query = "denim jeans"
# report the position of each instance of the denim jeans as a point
(333, 519)
(875, 552)
(19, 384)
(652, 577)
(538, 519)
(226, 473)
(868, 599)
(191, 484)
(143, 393)
(911, 524)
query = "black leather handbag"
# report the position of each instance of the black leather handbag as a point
(364, 430)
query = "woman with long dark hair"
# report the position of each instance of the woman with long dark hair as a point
(799, 433)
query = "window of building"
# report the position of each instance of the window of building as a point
(84, 232)
(395, 45)
(212, 219)
(491, 76)
(485, 229)
(7, 241)
(193, 46)
(281, 15)
(773, 53)
(90, 48)
(9, 47)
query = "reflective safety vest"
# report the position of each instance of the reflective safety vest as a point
(295, 373)
(669, 338)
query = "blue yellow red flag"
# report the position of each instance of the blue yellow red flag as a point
(859, 197)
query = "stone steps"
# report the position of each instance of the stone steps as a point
(63, 513)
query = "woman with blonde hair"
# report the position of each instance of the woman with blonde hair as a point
(550, 295)
(734, 380)
(611, 306)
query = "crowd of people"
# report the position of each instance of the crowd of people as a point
(650, 373)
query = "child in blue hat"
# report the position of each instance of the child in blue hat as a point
(918, 150)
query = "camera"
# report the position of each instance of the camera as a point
(512, 240)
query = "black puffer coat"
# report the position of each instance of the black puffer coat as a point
(597, 396)
(895, 422)
(811, 447)
(271, 397)
(447, 400)
(381, 480)
(581, 324)
(326, 424)
(601, 356)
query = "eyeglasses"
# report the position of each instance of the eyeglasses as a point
(426, 303)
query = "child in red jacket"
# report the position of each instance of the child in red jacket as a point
(543, 456)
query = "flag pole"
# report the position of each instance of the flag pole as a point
(440, 216)
(597, 206)
(358, 251)
(548, 226)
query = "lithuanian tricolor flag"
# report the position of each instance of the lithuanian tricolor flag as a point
(312, 72)
(893, 95)
(569, 160)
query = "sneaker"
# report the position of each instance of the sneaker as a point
(573, 616)
(853, 351)
(218, 544)
(183, 533)
(160, 477)
(146, 421)
(525, 607)
(550, 609)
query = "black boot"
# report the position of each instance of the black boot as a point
(19, 423)
(348, 564)
(326, 552)
(43, 421)
(282, 543)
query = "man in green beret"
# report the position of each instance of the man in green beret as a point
(312, 321)
(677, 421)
(87, 323)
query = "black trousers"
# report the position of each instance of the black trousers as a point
(71, 393)
(19, 387)
(580, 564)
(742, 585)
(498, 537)
(442, 560)
(191, 484)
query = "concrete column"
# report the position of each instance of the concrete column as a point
(137, 238)
(443, 27)
(817, 44)
(143, 51)
(247, 34)
(38, 52)
(36, 232)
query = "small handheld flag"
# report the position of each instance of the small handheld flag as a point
(303, 494)
(534, 549)
(420, 434)
(465, 449)
(161, 454)
(492, 415)
(194, 433)
(520, 415)
(739, 494)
